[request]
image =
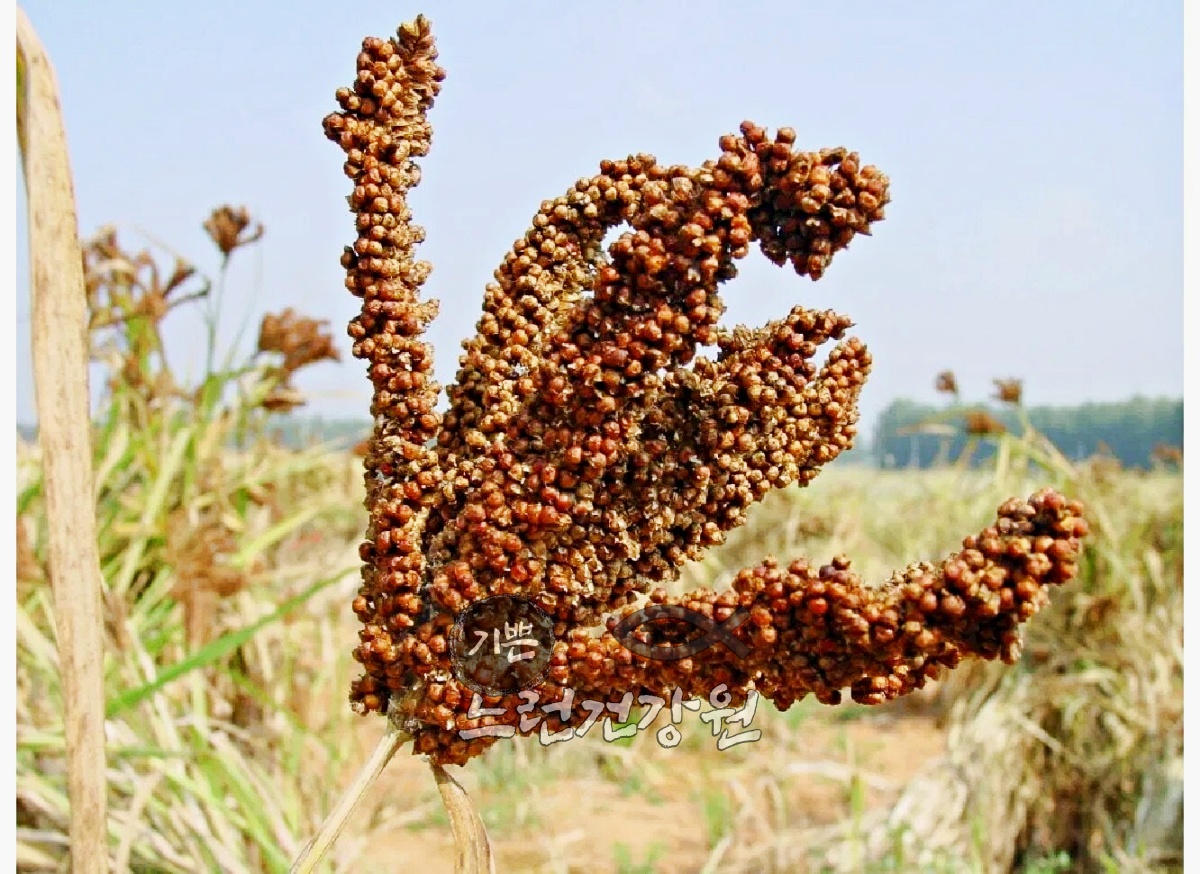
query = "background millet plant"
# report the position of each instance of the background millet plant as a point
(201, 515)
(588, 453)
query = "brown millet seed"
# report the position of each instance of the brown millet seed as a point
(588, 454)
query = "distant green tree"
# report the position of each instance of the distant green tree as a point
(909, 434)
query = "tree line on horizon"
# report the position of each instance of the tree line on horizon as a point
(1138, 433)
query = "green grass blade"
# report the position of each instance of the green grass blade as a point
(215, 650)
(256, 546)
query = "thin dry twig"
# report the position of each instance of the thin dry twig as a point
(393, 738)
(60, 371)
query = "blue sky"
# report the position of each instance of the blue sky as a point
(1034, 148)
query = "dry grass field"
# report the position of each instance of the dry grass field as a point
(229, 734)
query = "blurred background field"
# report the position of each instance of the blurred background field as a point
(230, 558)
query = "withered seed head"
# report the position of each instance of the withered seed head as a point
(1008, 390)
(227, 227)
(980, 423)
(947, 383)
(299, 339)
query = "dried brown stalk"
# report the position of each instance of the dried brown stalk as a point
(60, 370)
(473, 850)
(393, 737)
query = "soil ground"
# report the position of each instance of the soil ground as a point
(587, 806)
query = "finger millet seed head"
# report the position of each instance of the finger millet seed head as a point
(1008, 390)
(231, 229)
(588, 453)
(946, 382)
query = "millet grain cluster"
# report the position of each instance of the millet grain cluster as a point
(588, 453)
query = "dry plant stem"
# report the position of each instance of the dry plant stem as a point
(393, 737)
(60, 362)
(472, 849)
